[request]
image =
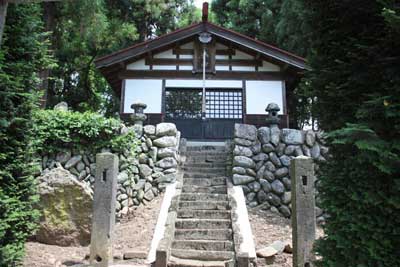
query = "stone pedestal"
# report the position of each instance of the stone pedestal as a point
(303, 211)
(105, 190)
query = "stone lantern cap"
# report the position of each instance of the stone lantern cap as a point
(272, 110)
(139, 107)
(272, 107)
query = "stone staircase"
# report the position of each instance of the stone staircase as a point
(205, 224)
(203, 229)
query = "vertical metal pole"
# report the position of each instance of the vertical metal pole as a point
(203, 104)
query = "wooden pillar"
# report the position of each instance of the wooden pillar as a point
(303, 210)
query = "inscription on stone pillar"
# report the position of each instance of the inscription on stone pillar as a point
(303, 210)
(105, 190)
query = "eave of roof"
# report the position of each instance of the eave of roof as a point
(183, 33)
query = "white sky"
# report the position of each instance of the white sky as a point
(199, 3)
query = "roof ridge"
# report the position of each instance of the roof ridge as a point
(147, 41)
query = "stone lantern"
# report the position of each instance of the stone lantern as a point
(272, 112)
(138, 117)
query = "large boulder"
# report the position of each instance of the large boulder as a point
(244, 162)
(166, 141)
(167, 152)
(242, 151)
(149, 130)
(167, 163)
(66, 209)
(292, 137)
(264, 135)
(166, 128)
(242, 179)
(245, 131)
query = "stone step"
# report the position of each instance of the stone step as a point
(203, 197)
(177, 262)
(213, 154)
(204, 214)
(204, 205)
(200, 159)
(203, 234)
(202, 224)
(204, 165)
(213, 245)
(204, 181)
(205, 169)
(221, 189)
(206, 148)
(203, 255)
(200, 175)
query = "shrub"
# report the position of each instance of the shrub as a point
(56, 130)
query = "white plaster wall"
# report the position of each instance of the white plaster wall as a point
(185, 67)
(164, 67)
(138, 65)
(243, 68)
(146, 91)
(222, 57)
(186, 56)
(260, 93)
(199, 84)
(221, 68)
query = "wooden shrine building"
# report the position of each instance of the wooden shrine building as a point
(241, 76)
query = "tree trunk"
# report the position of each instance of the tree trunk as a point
(48, 16)
(3, 14)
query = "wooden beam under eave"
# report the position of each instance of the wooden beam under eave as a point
(220, 75)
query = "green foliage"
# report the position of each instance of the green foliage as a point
(355, 86)
(22, 54)
(56, 130)
(84, 30)
(275, 22)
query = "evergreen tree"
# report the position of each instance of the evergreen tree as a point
(354, 81)
(275, 22)
(23, 54)
(83, 30)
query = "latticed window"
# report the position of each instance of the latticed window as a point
(223, 104)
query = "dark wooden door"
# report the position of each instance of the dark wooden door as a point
(224, 108)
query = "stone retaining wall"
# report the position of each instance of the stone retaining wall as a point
(142, 173)
(261, 159)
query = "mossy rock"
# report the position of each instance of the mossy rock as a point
(66, 209)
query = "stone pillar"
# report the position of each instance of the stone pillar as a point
(303, 210)
(105, 191)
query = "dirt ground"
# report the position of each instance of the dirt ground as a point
(134, 233)
(268, 227)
